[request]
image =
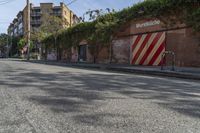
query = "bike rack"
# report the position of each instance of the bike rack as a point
(173, 61)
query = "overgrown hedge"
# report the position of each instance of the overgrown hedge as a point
(103, 29)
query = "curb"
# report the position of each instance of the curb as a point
(175, 74)
(158, 73)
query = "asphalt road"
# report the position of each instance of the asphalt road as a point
(37, 98)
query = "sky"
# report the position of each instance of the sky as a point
(9, 11)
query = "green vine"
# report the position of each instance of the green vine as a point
(101, 31)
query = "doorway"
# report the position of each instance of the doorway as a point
(82, 53)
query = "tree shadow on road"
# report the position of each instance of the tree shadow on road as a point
(81, 91)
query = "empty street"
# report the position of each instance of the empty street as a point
(39, 98)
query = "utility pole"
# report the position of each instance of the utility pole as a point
(29, 27)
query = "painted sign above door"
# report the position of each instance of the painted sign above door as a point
(148, 23)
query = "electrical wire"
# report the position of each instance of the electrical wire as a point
(3, 2)
(73, 1)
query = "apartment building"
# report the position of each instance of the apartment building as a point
(19, 26)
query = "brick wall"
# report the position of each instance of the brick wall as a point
(121, 50)
(184, 42)
(186, 46)
(103, 56)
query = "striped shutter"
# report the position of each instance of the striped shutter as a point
(147, 49)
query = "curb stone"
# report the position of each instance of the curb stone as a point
(176, 74)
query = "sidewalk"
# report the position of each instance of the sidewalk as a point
(180, 72)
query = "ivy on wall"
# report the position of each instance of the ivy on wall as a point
(194, 20)
(101, 31)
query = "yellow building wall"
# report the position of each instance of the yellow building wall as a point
(67, 16)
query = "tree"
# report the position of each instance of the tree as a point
(13, 42)
(3, 43)
(105, 30)
(105, 27)
(3, 39)
(52, 26)
(22, 43)
(194, 20)
(36, 37)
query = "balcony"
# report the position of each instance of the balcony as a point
(34, 14)
(57, 14)
(35, 22)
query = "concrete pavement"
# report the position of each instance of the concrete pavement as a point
(179, 72)
(40, 98)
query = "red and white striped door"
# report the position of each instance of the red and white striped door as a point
(147, 49)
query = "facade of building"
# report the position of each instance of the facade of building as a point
(148, 42)
(19, 26)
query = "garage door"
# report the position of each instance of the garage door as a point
(147, 49)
